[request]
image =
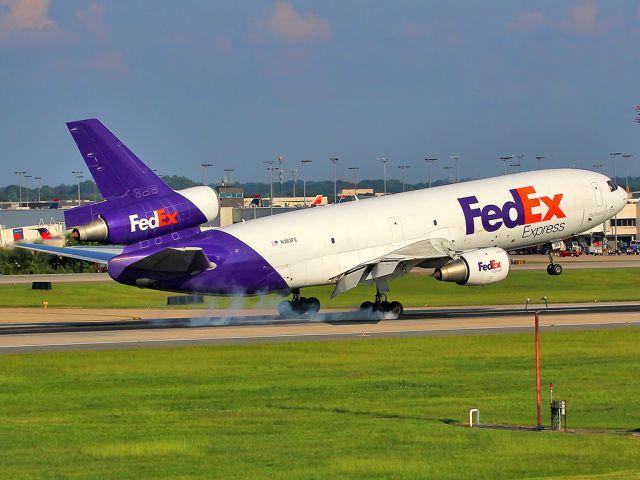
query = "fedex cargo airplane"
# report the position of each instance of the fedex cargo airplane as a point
(461, 230)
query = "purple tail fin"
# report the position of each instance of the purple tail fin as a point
(115, 169)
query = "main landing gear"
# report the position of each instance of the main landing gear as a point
(299, 305)
(382, 305)
(553, 268)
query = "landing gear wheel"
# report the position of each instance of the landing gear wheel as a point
(366, 306)
(285, 308)
(312, 306)
(396, 309)
(298, 306)
(381, 305)
(554, 269)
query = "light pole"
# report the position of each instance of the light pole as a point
(504, 162)
(384, 169)
(515, 166)
(78, 177)
(447, 168)
(204, 169)
(26, 180)
(19, 174)
(402, 169)
(598, 166)
(334, 160)
(281, 172)
(38, 179)
(229, 172)
(355, 182)
(538, 158)
(455, 158)
(305, 164)
(429, 162)
(294, 174)
(270, 168)
(613, 156)
(626, 157)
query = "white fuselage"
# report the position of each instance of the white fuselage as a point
(313, 246)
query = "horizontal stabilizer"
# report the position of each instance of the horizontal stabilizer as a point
(174, 260)
(89, 254)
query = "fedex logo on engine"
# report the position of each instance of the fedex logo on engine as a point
(160, 218)
(525, 209)
(492, 265)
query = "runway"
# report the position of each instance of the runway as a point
(163, 332)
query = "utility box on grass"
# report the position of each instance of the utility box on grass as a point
(558, 414)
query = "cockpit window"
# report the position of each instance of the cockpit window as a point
(612, 185)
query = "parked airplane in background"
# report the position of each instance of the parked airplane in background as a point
(44, 232)
(461, 230)
(257, 201)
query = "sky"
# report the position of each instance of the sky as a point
(239, 83)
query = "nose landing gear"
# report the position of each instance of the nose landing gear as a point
(299, 305)
(553, 268)
(382, 305)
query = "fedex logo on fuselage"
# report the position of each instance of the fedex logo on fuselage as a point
(160, 218)
(526, 208)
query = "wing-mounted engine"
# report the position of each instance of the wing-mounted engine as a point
(475, 268)
(125, 220)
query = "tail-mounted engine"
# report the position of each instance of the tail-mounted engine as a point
(475, 268)
(123, 220)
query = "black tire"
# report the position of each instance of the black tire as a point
(550, 269)
(366, 306)
(396, 309)
(557, 269)
(285, 308)
(313, 305)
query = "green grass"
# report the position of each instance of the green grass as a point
(580, 285)
(347, 409)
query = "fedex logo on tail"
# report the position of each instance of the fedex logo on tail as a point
(160, 218)
(525, 209)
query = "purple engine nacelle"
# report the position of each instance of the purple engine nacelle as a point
(125, 220)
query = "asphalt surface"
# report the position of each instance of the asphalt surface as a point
(234, 329)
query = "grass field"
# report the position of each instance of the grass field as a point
(586, 285)
(347, 409)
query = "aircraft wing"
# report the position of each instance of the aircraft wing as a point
(174, 260)
(89, 254)
(427, 253)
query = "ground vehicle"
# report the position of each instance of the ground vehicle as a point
(573, 249)
(595, 248)
(633, 248)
